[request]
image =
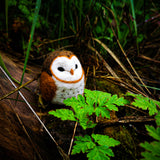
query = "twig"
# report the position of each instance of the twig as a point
(119, 62)
(149, 59)
(55, 40)
(17, 89)
(127, 119)
(69, 152)
(122, 83)
(132, 66)
(104, 62)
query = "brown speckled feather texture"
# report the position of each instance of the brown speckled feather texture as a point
(47, 86)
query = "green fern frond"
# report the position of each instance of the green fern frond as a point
(64, 114)
(93, 102)
(96, 146)
(152, 150)
(145, 103)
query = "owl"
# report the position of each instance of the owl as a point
(62, 77)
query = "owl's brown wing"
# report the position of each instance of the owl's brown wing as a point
(47, 86)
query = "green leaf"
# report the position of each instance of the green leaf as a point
(155, 133)
(153, 147)
(111, 103)
(152, 150)
(96, 96)
(145, 103)
(121, 101)
(111, 106)
(105, 140)
(64, 114)
(103, 98)
(97, 147)
(91, 96)
(114, 101)
(81, 99)
(71, 102)
(102, 111)
(84, 120)
(157, 102)
(82, 144)
(100, 153)
(149, 156)
(157, 117)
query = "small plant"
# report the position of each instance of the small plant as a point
(99, 103)
(153, 148)
(92, 103)
(96, 146)
(145, 103)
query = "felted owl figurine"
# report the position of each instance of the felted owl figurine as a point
(62, 77)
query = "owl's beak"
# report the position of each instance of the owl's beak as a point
(72, 72)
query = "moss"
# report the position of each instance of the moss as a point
(108, 86)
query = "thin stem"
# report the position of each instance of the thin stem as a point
(17, 89)
(69, 152)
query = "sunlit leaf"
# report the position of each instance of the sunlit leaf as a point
(64, 114)
(105, 140)
(82, 144)
(155, 133)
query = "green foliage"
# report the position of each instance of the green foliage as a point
(101, 19)
(64, 114)
(37, 8)
(100, 103)
(93, 102)
(145, 103)
(96, 146)
(27, 11)
(153, 148)
(157, 117)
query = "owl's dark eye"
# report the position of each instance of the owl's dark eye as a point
(76, 66)
(61, 69)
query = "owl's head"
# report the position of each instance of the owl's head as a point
(64, 66)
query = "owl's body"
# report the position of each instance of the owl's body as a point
(62, 77)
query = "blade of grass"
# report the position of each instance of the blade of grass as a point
(119, 62)
(130, 62)
(80, 11)
(6, 70)
(70, 12)
(61, 27)
(134, 23)
(132, 66)
(116, 20)
(155, 88)
(36, 12)
(125, 53)
(37, 8)
(6, 12)
(104, 62)
(134, 16)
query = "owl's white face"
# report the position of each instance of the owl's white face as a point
(68, 70)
